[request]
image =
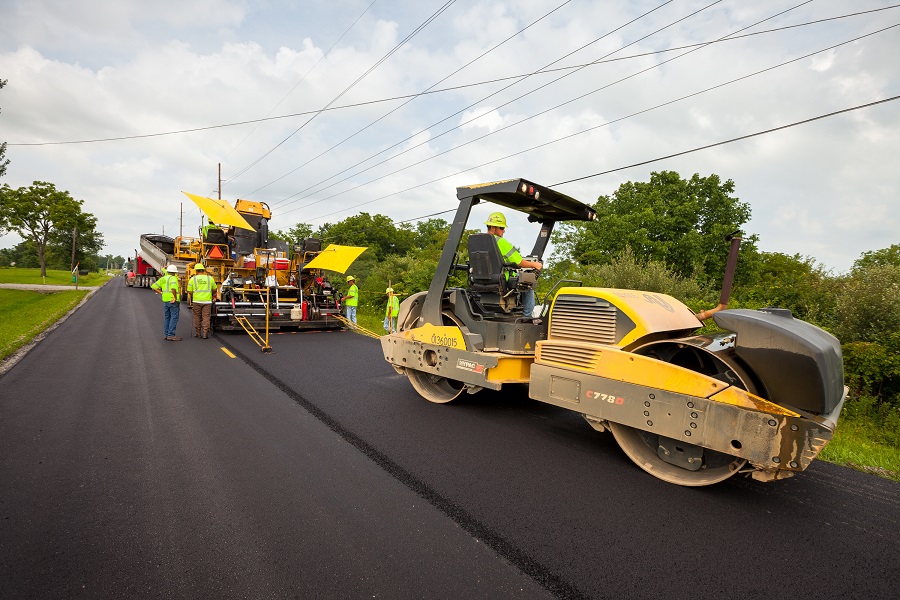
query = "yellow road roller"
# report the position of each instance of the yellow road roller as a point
(760, 398)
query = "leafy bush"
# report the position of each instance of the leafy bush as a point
(873, 370)
(867, 307)
(626, 271)
(793, 282)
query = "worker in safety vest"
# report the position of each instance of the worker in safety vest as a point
(496, 226)
(205, 229)
(351, 300)
(202, 290)
(170, 288)
(391, 311)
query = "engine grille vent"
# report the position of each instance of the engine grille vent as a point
(570, 356)
(583, 319)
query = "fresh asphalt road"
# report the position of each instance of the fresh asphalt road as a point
(135, 467)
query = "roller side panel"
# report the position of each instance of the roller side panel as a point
(769, 441)
(453, 363)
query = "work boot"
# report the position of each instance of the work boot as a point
(196, 334)
(205, 335)
(173, 338)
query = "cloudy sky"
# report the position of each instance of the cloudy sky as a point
(326, 108)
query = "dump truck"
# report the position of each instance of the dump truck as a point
(140, 273)
(761, 397)
(156, 253)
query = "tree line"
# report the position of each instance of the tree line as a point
(56, 232)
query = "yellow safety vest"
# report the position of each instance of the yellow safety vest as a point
(202, 286)
(170, 288)
(393, 307)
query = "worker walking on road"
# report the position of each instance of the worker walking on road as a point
(170, 288)
(202, 290)
(391, 311)
(351, 300)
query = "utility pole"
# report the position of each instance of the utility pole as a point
(74, 233)
(220, 181)
(180, 219)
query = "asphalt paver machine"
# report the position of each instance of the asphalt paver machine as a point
(761, 397)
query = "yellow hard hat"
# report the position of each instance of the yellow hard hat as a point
(199, 267)
(389, 291)
(496, 219)
(351, 278)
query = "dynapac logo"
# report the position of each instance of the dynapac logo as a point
(469, 365)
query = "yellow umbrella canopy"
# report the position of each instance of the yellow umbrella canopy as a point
(335, 258)
(220, 211)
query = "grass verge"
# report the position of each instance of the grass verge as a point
(371, 322)
(54, 277)
(861, 444)
(25, 314)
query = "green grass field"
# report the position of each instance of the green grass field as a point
(24, 314)
(33, 276)
(859, 445)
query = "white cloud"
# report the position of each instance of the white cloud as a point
(823, 62)
(484, 117)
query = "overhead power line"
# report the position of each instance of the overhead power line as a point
(411, 98)
(415, 32)
(310, 70)
(446, 89)
(732, 140)
(476, 103)
(432, 157)
(622, 168)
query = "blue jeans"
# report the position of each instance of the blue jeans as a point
(170, 317)
(351, 314)
(527, 303)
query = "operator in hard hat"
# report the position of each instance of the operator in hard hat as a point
(391, 311)
(204, 231)
(496, 226)
(351, 300)
(202, 290)
(169, 286)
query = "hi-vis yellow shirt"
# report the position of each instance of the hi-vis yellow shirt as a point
(169, 286)
(393, 307)
(201, 287)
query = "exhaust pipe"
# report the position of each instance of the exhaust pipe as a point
(730, 268)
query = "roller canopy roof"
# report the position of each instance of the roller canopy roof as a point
(539, 202)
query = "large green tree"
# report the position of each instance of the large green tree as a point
(79, 243)
(377, 232)
(295, 234)
(679, 222)
(21, 255)
(794, 282)
(878, 258)
(44, 215)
